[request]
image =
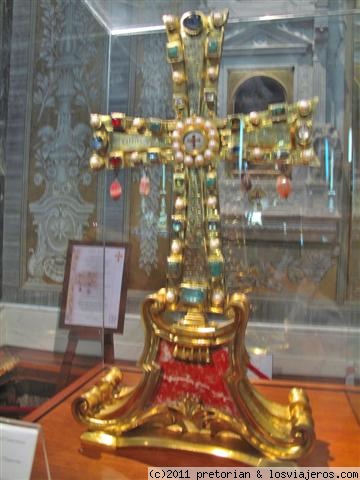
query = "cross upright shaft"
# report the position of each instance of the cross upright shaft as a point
(194, 52)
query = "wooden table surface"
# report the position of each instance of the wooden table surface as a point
(336, 422)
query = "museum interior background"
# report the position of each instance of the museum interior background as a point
(299, 258)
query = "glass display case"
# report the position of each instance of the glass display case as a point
(290, 237)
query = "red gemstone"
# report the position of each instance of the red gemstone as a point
(116, 123)
(115, 189)
(115, 161)
(144, 187)
(283, 186)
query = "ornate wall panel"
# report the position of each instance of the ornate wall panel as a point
(57, 79)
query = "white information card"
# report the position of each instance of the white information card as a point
(18, 442)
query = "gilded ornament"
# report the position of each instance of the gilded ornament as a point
(170, 22)
(195, 320)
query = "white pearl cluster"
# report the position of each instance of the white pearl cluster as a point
(211, 142)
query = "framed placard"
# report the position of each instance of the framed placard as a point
(95, 286)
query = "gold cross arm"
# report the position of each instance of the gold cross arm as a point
(281, 135)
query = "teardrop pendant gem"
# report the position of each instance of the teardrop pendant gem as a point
(283, 186)
(115, 190)
(144, 186)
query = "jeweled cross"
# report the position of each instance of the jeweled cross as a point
(192, 144)
(194, 394)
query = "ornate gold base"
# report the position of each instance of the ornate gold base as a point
(195, 395)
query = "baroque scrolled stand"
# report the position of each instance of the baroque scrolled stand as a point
(194, 394)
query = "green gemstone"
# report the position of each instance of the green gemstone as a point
(173, 52)
(277, 110)
(155, 127)
(216, 268)
(210, 181)
(192, 295)
(212, 46)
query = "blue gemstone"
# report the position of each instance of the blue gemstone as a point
(153, 156)
(97, 143)
(176, 226)
(236, 149)
(193, 22)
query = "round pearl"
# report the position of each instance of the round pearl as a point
(217, 298)
(138, 122)
(169, 22)
(188, 160)
(218, 19)
(209, 124)
(214, 243)
(176, 145)
(170, 296)
(96, 162)
(199, 121)
(199, 160)
(213, 145)
(176, 135)
(212, 73)
(176, 246)
(95, 120)
(179, 125)
(179, 203)
(254, 118)
(304, 107)
(213, 133)
(179, 157)
(178, 77)
(208, 155)
(188, 121)
(134, 157)
(211, 201)
(257, 153)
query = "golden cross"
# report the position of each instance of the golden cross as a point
(200, 399)
(192, 144)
